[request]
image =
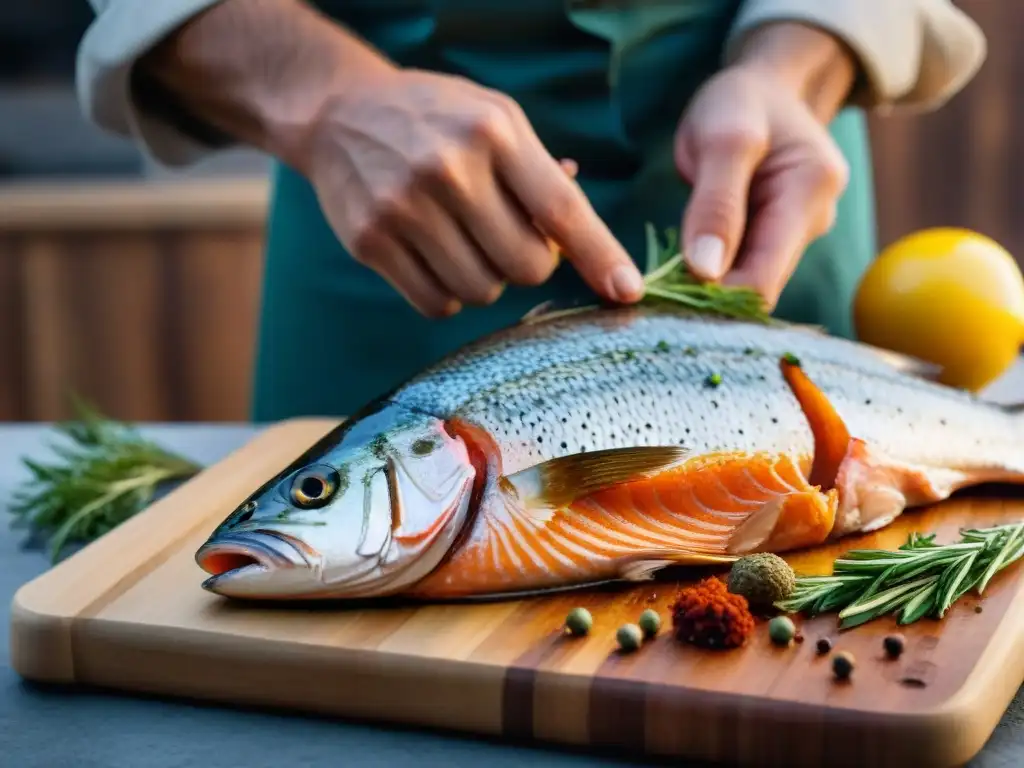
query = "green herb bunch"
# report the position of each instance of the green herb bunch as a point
(667, 278)
(106, 473)
(920, 579)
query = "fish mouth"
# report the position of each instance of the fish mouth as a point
(234, 554)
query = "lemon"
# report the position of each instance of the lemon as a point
(950, 296)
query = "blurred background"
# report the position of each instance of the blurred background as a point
(139, 289)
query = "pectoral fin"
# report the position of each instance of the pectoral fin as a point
(831, 437)
(560, 481)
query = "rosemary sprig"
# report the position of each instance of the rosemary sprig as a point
(919, 579)
(667, 279)
(106, 473)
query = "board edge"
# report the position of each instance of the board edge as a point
(41, 635)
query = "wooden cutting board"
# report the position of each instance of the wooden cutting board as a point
(127, 612)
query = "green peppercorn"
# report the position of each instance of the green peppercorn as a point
(649, 622)
(662, 346)
(629, 637)
(714, 379)
(893, 645)
(842, 665)
(579, 621)
(781, 630)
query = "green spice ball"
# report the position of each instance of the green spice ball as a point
(579, 621)
(842, 665)
(781, 630)
(893, 645)
(763, 578)
(629, 637)
(649, 622)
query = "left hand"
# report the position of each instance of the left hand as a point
(750, 146)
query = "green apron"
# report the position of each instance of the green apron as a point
(605, 87)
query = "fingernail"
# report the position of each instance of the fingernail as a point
(707, 255)
(627, 284)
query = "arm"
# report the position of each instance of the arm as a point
(908, 53)
(190, 76)
(257, 71)
(438, 184)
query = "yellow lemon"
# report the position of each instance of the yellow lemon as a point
(950, 296)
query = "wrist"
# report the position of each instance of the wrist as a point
(259, 71)
(811, 64)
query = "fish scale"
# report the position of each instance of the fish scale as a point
(605, 444)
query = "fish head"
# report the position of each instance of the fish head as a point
(370, 509)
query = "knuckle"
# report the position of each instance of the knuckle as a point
(484, 294)
(534, 270)
(558, 213)
(492, 126)
(367, 243)
(718, 212)
(739, 140)
(830, 174)
(444, 167)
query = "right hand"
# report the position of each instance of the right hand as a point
(442, 187)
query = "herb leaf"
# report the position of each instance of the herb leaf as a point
(919, 579)
(105, 473)
(668, 279)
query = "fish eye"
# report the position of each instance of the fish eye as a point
(424, 446)
(314, 486)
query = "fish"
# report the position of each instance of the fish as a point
(604, 444)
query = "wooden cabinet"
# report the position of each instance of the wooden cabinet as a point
(142, 297)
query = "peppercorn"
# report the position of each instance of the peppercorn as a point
(978, 609)
(824, 645)
(842, 665)
(629, 637)
(649, 622)
(781, 630)
(893, 645)
(579, 621)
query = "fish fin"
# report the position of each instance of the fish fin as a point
(831, 437)
(560, 481)
(788, 522)
(552, 308)
(644, 570)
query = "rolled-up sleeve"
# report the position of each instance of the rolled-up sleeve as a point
(123, 31)
(912, 53)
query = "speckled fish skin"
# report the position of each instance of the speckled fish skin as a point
(622, 380)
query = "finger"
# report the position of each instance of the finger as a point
(408, 275)
(454, 258)
(713, 224)
(561, 211)
(779, 233)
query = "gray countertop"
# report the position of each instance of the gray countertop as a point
(48, 728)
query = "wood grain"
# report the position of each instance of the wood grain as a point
(128, 613)
(141, 299)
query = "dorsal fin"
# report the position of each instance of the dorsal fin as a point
(552, 308)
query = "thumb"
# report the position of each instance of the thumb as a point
(713, 223)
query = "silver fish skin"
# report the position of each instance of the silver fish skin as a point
(639, 388)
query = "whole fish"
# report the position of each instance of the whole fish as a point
(598, 445)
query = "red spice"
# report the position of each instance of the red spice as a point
(711, 616)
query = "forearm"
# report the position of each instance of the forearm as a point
(815, 64)
(257, 70)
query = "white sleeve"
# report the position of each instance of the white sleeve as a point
(122, 31)
(912, 53)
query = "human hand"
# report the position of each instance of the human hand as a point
(766, 179)
(442, 187)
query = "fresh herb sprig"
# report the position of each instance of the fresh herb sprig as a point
(667, 279)
(106, 473)
(919, 579)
